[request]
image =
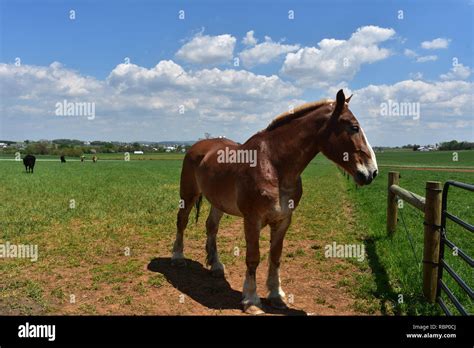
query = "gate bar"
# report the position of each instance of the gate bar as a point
(461, 253)
(453, 298)
(458, 279)
(460, 222)
(444, 307)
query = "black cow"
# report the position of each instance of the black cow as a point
(29, 162)
(63, 159)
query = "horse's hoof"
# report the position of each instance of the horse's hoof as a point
(278, 303)
(178, 262)
(218, 273)
(253, 309)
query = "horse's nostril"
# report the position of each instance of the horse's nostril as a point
(374, 174)
(360, 176)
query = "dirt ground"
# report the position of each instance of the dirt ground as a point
(310, 289)
(144, 282)
(313, 285)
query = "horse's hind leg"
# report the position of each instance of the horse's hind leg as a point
(212, 226)
(189, 193)
(276, 296)
(177, 258)
(250, 300)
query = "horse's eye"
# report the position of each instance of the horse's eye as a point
(355, 129)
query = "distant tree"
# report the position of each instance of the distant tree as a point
(455, 145)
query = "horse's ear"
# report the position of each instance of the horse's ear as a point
(349, 99)
(340, 100)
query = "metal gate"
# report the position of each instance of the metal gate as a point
(443, 265)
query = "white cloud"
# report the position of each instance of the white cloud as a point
(205, 49)
(410, 53)
(416, 76)
(424, 59)
(445, 106)
(337, 60)
(265, 52)
(54, 78)
(419, 59)
(435, 44)
(457, 72)
(442, 97)
(249, 39)
(167, 76)
(137, 99)
(440, 101)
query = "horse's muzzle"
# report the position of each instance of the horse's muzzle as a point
(365, 178)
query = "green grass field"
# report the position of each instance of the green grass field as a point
(397, 267)
(462, 159)
(109, 156)
(132, 205)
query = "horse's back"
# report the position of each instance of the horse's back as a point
(206, 147)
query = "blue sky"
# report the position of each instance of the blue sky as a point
(103, 33)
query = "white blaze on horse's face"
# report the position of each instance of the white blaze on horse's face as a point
(367, 169)
(347, 144)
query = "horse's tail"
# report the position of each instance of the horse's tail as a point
(198, 206)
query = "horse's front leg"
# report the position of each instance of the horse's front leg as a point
(276, 296)
(250, 300)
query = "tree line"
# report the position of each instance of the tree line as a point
(77, 148)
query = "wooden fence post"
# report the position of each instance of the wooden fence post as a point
(431, 239)
(392, 204)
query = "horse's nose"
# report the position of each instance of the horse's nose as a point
(361, 177)
(374, 174)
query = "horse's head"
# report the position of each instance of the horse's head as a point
(344, 142)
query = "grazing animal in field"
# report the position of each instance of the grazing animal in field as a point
(29, 162)
(266, 190)
(83, 158)
(94, 159)
(63, 159)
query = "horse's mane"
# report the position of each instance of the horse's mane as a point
(298, 112)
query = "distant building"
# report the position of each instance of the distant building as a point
(427, 148)
(138, 152)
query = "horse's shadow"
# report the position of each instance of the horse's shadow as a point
(196, 282)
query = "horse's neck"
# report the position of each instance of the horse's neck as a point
(292, 148)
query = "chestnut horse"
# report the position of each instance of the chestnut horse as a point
(267, 191)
